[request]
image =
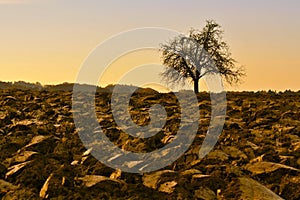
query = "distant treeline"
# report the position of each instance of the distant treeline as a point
(22, 85)
(38, 86)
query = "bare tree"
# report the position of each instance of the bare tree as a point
(199, 54)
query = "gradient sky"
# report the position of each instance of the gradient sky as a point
(47, 40)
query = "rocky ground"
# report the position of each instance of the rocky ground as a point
(256, 157)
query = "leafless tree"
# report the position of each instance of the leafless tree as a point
(200, 53)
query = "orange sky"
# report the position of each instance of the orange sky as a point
(47, 40)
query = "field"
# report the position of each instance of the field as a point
(256, 157)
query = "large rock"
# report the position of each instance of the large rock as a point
(251, 189)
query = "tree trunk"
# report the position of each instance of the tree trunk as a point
(196, 86)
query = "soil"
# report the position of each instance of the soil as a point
(257, 155)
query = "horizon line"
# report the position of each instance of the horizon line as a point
(131, 85)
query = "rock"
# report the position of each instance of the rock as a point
(205, 193)
(37, 140)
(267, 167)
(85, 155)
(13, 169)
(44, 190)
(23, 156)
(252, 145)
(199, 176)
(251, 189)
(154, 179)
(6, 187)
(190, 172)
(235, 152)
(41, 144)
(290, 115)
(212, 182)
(218, 155)
(91, 180)
(167, 187)
(116, 174)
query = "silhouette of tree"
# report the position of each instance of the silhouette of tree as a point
(200, 53)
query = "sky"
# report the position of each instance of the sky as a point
(47, 41)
